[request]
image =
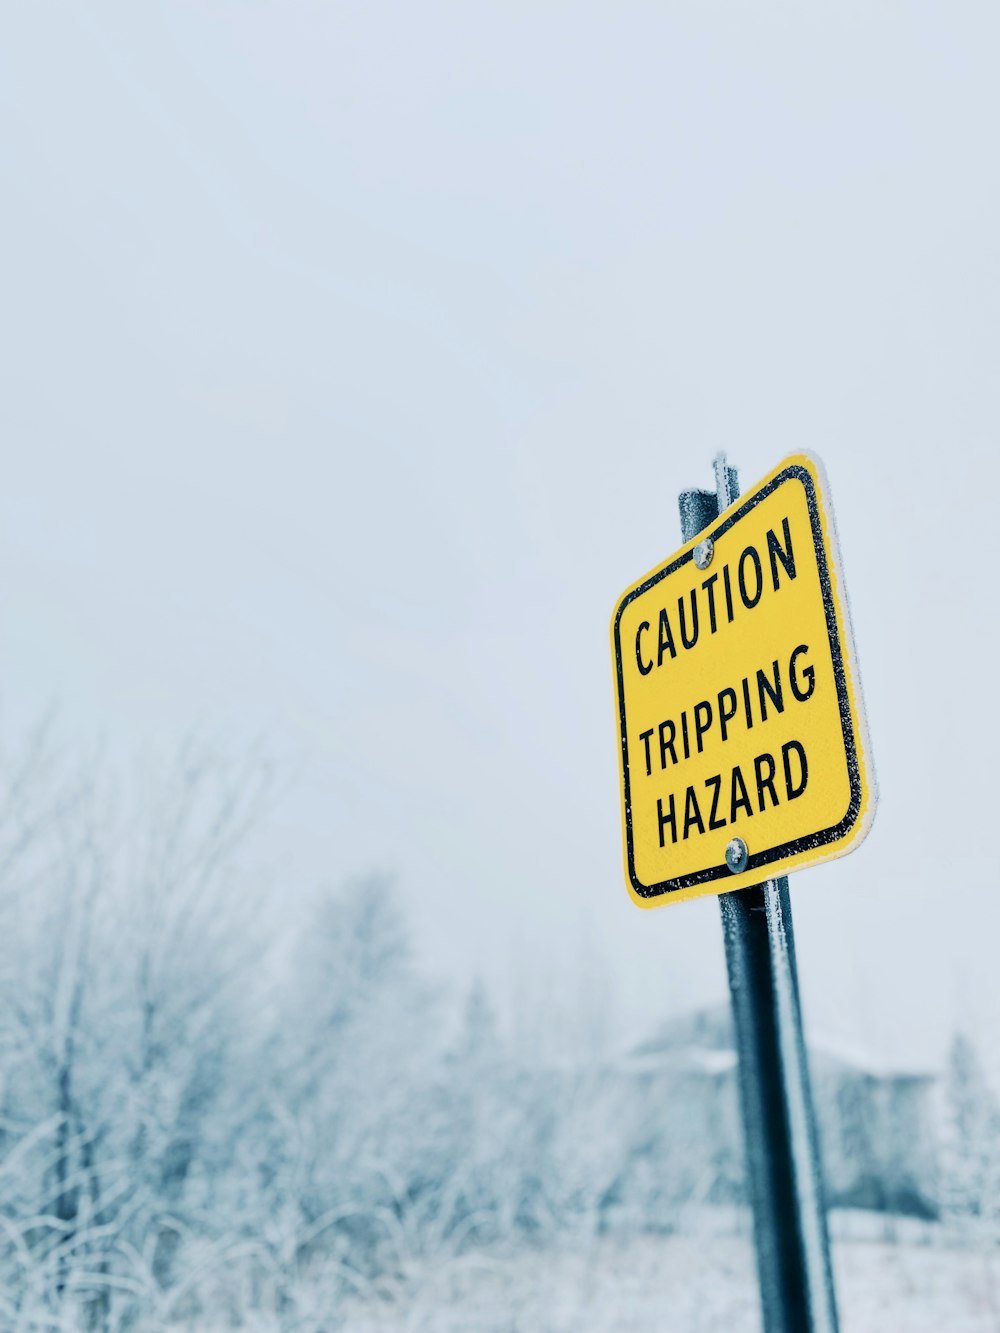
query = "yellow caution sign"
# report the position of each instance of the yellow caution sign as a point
(743, 751)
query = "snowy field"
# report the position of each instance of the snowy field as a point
(686, 1284)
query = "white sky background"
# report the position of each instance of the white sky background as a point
(353, 357)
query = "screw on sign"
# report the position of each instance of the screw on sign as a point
(743, 753)
(736, 855)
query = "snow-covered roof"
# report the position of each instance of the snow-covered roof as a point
(864, 1062)
(693, 1059)
(704, 1040)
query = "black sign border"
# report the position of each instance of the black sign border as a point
(758, 860)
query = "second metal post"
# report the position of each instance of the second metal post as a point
(782, 1154)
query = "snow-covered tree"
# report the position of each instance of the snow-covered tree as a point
(123, 994)
(971, 1157)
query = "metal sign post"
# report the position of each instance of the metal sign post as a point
(743, 754)
(782, 1156)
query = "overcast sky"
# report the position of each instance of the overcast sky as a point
(353, 357)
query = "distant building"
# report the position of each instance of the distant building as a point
(877, 1127)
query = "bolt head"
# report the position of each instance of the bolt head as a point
(737, 855)
(703, 553)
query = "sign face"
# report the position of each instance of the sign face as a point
(739, 704)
